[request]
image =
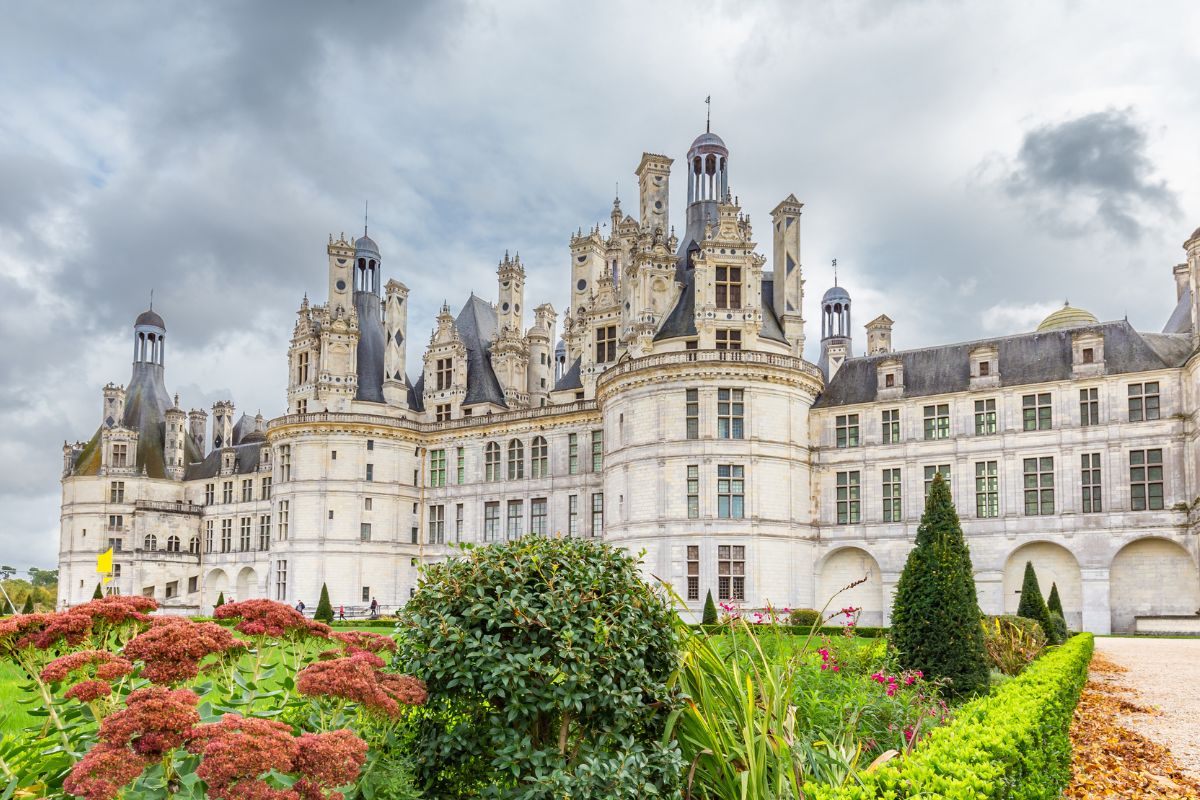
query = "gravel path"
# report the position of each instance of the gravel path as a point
(1165, 674)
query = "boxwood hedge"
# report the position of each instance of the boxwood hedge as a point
(1012, 744)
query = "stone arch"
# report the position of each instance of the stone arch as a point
(841, 568)
(1151, 577)
(216, 583)
(1054, 565)
(247, 583)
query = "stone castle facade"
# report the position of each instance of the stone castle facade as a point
(677, 416)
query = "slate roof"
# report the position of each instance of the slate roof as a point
(245, 462)
(1180, 320)
(476, 325)
(1025, 358)
(681, 321)
(370, 347)
(570, 379)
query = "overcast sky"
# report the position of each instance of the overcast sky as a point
(970, 165)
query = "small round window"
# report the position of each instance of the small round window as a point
(581, 285)
(341, 286)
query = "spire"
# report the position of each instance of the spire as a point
(708, 114)
(151, 299)
(835, 272)
(366, 208)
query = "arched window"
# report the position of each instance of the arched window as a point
(172, 544)
(516, 460)
(491, 462)
(194, 545)
(539, 455)
(150, 542)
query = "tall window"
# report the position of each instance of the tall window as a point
(891, 426)
(281, 514)
(987, 490)
(1090, 480)
(692, 413)
(937, 421)
(515, 512)
(491, 462)
(892, 509)
(264, 532)
(1039, 486)
(461, 454)
(173, 544)
(302, 368)
(370, 476)
(597, 451)
(1089, 406)
(1146, 480)
(693, 572)
(437, 468)
(537, 516)
(491, 521)
(1143, 401)
(573, 515)
(437, 524)
(731, 491)
(441, 412)
(120, 455)
(539, 458)
(572, 453)
(1035, 412)
(516, 460)
(985, 417)
(597, 513)
(693, 491)
(244, 542)
(729, 287)
(210, 494)
(729, 340)
(731, 572)
(194, 545)
(208, 536)
(606, 344)
(266, 488)
(930, 471)
(116, 492)
(285, 463)
(846, 428)
(150, 542)
(281, 580)
(730, 413)
(226, 535)
(247, 490)
(849, 500)
(227, 492)
(444, 373)
(458, 522)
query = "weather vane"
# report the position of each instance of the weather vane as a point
(835, 272)
(708, 114)
(366, 208)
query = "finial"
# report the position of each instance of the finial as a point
(151, 299)
(708, 114)
(366, 207)
(835, 272)
(616, 193)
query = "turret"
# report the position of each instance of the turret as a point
(510, 276)
(222, 424)
(175, 435)
(149, 339)
(197, 422)
(788, 298)
(341, 264)
(835, 330)
(395, 329)
(708, 184)
(879, 335)
(654, 174)
(540, 372)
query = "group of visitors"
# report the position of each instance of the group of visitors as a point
(374, 609)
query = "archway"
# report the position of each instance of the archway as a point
(216, 584)
(247, 584)
(1151, 577)
(1054, 565)
(843, 567)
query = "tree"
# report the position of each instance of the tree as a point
(220, 600)
(1054, 603)
(1033, 606)
(935, 618)
(8, 610)
(324, 607)
(710, 610)
(97, 595)
(28, 607)
(43, 578)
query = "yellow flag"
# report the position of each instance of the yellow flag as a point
(104, 561)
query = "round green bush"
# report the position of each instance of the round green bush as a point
(548, 664)
(804, 617)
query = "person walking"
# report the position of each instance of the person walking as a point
(342, 612)
(374, 608)
(300, 606)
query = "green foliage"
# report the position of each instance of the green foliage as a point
(44, 578)
(935, 617)
(1059, 626)
(1054, 603)
(1033, 606)
(804, 617)
(1012, 744)
(28, 607)
(1012, 643)
(710, 610)
(324, 611)
(98, 594)
(220, 600)
(861, 632)
(548, 664)
(7, 610)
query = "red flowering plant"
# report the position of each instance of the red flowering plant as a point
(139, 706)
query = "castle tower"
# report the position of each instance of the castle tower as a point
(788, 298)
(197, 422)
(149, 339)
(175, 436)
(511, 278)
(223, 423)
(341, 266)
(708, 184)
(654, 174)
(879, 335)
(371, 340)
(835, 331)
(587, 266)
(395, 329)
(540, 372)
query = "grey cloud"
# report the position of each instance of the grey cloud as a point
(1095, 164)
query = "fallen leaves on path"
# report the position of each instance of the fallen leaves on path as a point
(1111, 761)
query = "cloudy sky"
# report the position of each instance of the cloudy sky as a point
(970, 165)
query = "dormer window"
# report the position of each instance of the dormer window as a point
(444, 373)
(729, 287)
(889, 376)
(889, 380)
(985, 368)
(1089, 355)
(606, 344)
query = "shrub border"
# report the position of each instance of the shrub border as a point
(1012, 744)
(864, 631)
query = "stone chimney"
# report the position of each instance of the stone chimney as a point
(879, 335)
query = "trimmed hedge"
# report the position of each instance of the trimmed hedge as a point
(865, 631)
(1012, 744)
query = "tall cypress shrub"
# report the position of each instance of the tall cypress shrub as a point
(28, 607)
(1054, 603)
(1033, 606)
(324, 607)
(97, 595)
(935, 617)
(220, 600)
(710, 610)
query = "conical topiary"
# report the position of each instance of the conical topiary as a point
(98, 594)
(710, 610)
(7, 610)
(1033, 606)
(220, 600)
(28, 607)
(324, 607)
(1054, 603)
(935, 617)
